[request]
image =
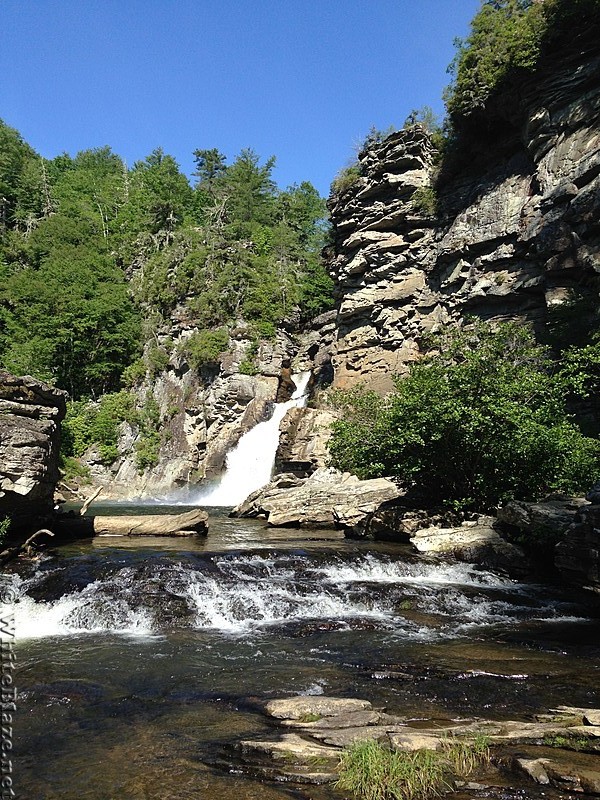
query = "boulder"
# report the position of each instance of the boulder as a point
(30, 417)
(577, 556)
(476, 542)
(327, 498)
(303, 437)
(545, 520)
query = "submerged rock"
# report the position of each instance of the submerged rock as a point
(327, 499)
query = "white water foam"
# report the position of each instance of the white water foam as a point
(371, 569)
(249, 465)
(241, 594)
(87, 611)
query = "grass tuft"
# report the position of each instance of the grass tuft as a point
(371, 771)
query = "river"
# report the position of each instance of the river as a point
(140, 662)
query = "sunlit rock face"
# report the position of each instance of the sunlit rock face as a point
(30, 416)
(509, 233)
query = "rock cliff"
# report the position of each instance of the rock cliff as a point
(30, 416)
(514, 234)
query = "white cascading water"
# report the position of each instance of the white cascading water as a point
(242, 593)
(249, 465)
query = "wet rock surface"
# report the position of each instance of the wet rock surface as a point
(578, 554)
(561, 748)
(475, 542)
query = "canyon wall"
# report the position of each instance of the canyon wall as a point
(513, 232)
(510, 229)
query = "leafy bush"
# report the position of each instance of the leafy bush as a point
(147, 447)
(480, 419)
(157, 359)
(205, 347)
(425, 201)
(74, 470)
(134, 374)
(4, 528)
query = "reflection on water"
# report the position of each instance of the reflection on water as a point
(140, 660)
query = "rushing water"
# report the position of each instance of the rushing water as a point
(249, 465)
(141, 662)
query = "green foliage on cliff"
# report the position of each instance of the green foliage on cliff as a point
(480, 418)
(204, 348)
(89, 248)
(65, 311)
(507, 38)
(98, 423)
(250, 251)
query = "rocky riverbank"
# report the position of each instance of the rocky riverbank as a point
(559, 748)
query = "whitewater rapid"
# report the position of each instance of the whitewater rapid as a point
(242, 593)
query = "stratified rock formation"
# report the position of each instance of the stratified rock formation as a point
(513, 234)
(30, 416)
(303, 441)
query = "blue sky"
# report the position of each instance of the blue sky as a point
(303, 80)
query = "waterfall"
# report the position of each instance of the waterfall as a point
(249, 465)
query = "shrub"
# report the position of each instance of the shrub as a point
(345, 179)
(147, 447)
(157, 359)
(478, 420)
(90, 423)
(4, 527)
(72, 469)
(134, 374)
(425, 201)
(205, 347)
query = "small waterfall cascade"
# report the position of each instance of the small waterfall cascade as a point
(242, 592)
(249, 465)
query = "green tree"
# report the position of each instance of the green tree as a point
(480, 419)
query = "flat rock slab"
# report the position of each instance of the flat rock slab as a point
(354, 719)
(347, 736)
(295, 708)
(292, 757)
(588, 716)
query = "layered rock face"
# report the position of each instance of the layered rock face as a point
(516, 237)
(30, 416)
